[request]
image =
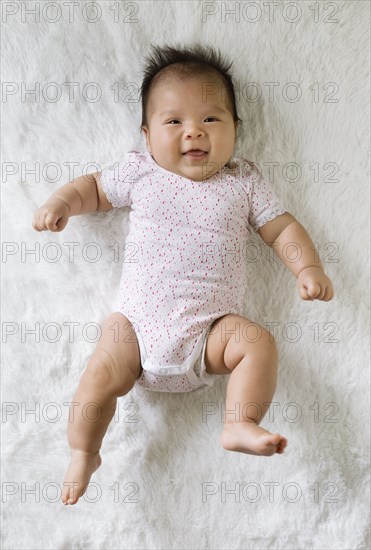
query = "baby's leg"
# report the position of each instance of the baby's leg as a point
(111, 372)
(246, 350)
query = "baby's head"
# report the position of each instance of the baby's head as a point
(188, 103)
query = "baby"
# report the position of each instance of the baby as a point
(178, 321)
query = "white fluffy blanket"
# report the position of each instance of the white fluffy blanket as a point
(165, 481)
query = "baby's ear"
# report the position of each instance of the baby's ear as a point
(146, 135)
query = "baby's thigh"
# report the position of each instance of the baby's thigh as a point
(119, 342)
(230, 338)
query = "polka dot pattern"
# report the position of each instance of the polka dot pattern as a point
(184, 264)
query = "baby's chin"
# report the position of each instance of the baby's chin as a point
(193, 170)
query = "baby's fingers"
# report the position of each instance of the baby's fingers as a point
(43, 221)
(313, 290)
(304, 293)
(329, 294)
(316, 292)
(51, 222)
(34, 224)
(37, 222)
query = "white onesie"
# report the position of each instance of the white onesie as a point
(184, 265)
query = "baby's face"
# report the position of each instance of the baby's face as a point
(182, 117)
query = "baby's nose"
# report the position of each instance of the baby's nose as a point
(194, 131)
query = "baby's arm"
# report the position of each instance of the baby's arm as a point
(294, 247)
(81, 196)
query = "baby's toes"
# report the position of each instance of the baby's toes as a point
(65, 493)
(282, 445)
(268, 444)
(275, 439)
(73, 492)
(271, 444)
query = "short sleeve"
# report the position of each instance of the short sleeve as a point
(264, 203)
(117, 180)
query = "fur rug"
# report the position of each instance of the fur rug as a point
(301, 72)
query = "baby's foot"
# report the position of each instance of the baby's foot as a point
(249, 438)
(80, 470)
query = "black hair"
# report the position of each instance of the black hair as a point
(196, 59)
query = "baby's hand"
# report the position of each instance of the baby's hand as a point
(313, 284)
(53, 215)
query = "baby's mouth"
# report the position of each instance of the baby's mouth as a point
(195, 154)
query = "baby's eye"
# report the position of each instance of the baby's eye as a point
(174, 120)
(211, 118)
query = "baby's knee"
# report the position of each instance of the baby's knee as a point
(260, 343)
(104, 373)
